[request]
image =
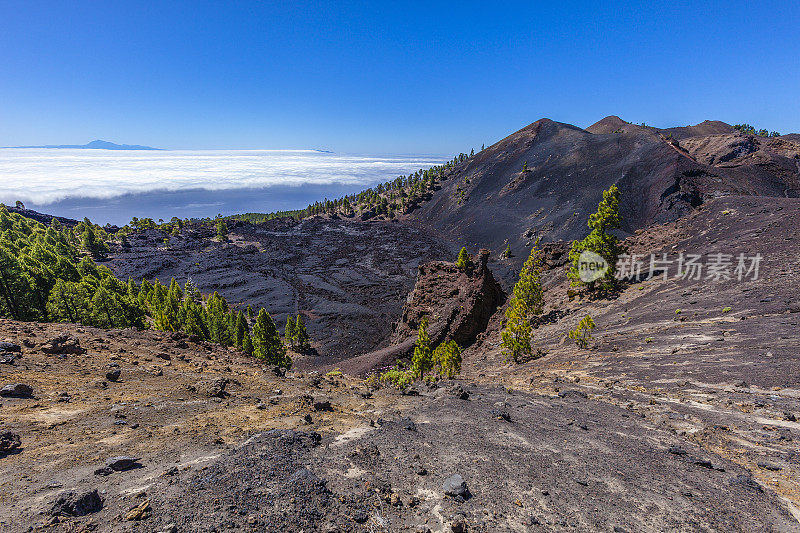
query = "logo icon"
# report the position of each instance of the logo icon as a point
(591, 266)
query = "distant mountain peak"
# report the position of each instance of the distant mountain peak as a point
(96, 144)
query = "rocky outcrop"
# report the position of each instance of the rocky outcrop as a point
(458, 303)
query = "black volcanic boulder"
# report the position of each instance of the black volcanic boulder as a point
(455, 486)
(10, 347)
(77, 504)
(17, 390)
(9, 442)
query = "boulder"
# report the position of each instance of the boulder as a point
(122, 463)
(17, 390)
(77, 504)
(10, 347)
(63, 344)
(9, 442)
(113, 374)
(455, 486)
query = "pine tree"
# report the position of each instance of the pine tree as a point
(422, 360)
(289, 331)
(582, 334)
(447, 359)
(528, 288)
(222, 230)
(241, 330)
(302, 340)
(92, 244)
(247, 344)
(527, 300)
(267, 343)
(516, 335)
(464, 261)
(599, 241)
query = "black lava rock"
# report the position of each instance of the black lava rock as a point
(17, 390)
(74, 504)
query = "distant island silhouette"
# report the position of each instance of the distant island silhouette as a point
(96, 144)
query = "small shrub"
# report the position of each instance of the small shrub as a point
(334, 373)
(582, 334)
(678, 311)
(727, 310)
(397, 378)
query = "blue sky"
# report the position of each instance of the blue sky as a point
(380, 77)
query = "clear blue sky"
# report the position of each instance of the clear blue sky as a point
(383, 77)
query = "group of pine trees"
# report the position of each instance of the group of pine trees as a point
(750, 130)
(527, 300)
(427, 363)
(391, 198)
(47, 274)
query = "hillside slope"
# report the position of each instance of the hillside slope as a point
(491, 199)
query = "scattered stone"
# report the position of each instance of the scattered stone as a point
(113, 374)
(63, 344)
(63, 397)
(216, 389)
(411, 390)
(261, 406)
(307, 419)
(677, 450)
(459, 392)
(279, 371)
(74, 504)
(769, 466)
(323, 405)
(572, 394)
(17, 390)
(10, 347)
(705, 463)
(455, 486)
(789, 417)
(746, 481)
(122, 463)
(103, 471)
(459, 524)
(501, 414)
(408, 424)
(169, 528)
(9, 442)
(140, 512)
(741, 384)
(7, 358)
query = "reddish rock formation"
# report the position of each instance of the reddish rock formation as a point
(458, 304)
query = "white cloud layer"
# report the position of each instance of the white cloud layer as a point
(42, 176)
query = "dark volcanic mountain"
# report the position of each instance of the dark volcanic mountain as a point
(495, 197)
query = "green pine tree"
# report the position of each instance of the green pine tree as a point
(464, 261)
(267, 343)
(447, 359)
(302, 340)
(600, 241)
(289, 331)
(422, 360)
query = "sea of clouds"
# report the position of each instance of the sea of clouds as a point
(43, 176)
